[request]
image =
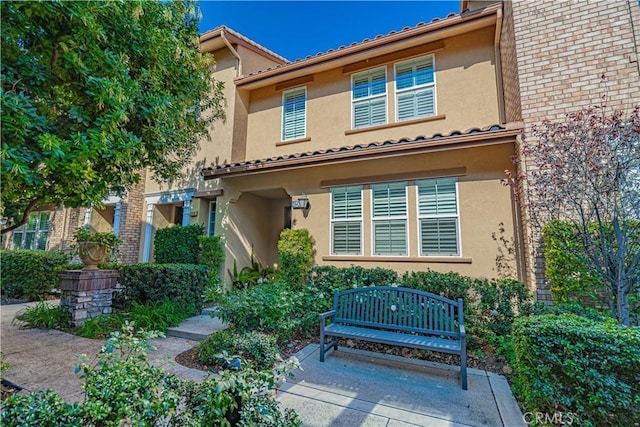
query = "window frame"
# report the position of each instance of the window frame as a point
(282, 128)
(420, 217)
(415, 88)
(405, 218)
(359, 219)
(368, 98)
(212, 208)
(37, 232)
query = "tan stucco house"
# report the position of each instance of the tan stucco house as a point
(389, 151)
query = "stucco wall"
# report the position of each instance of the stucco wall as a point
(486, 208)
(466, 95)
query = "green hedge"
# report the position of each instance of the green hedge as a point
(177, 244)
(295, 257)
(30, 274)
(572, 364)
(182, 284)
(565, 269)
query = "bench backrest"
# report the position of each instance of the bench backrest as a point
(401, 309)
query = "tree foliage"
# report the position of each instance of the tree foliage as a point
(95, 92)
(585, 170)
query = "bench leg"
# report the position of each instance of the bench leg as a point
(463, 368)
(322, 344)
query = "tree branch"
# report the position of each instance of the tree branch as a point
(25, 216)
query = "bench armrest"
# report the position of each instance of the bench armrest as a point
(327, 314)
(463, 331)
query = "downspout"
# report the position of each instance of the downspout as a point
(499, 85)
(234, 52)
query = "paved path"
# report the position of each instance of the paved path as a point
(352, 388)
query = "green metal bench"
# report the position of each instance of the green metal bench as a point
(397, 316)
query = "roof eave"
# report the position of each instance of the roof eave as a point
(444, 143)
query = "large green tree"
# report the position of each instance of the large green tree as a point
(95, 92)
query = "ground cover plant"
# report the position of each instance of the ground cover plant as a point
(122, 388)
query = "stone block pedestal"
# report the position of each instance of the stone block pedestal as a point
(87, 293)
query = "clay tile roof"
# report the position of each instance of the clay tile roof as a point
(451, 17)
(365, 148)
(216, 31)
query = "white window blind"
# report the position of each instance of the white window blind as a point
(346, 220)
(369, 97)
(294, 115)
(415, 89)
(438, 217)
(389, 218)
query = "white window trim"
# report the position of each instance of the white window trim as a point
(396, 91)
(388, 218)
(369, 98)
(419, 225)
(333, 221)
(284, 93)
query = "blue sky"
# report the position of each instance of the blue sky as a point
(296, 29)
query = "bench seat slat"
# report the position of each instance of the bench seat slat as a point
(394, 338)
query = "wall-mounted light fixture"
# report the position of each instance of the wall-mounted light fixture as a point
(301, 203)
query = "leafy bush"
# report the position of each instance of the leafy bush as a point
(575, 308)
(43, 409)
(270, 308)
(45, 316)
(212, 255)
(295, 257)
(565, 269)
(177, 244)
(154, 283)
(449, 285)
(123, 388)
(253, 274)
(101, 326)
(568, 363)
(30, 274)
(258, 348)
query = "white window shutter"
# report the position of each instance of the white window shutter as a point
(294, 118)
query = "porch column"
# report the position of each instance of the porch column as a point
(116, 218)
(186, 211)
(87, 216)
(148, 232)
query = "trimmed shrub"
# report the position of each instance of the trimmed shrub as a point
(566, 272)
(212, 255)
(269, 308)
(30, 274)
(183, 284)
(177, 244)
(258, 348)
(333, 278)
(295, 257)
(449, 285)
(568, 363)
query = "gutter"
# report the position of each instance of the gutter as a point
(233, 51)
(499, 84)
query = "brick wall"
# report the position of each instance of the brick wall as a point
(562, 49)
(131, 222)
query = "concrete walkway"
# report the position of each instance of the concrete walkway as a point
(351, 388)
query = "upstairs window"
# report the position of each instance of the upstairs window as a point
(346, 220)
(438, 217)
(369, 98)
(415, 89)
(34, 234)
(294, 114)
(389, 218)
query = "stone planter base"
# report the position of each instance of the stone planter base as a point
(87, 293)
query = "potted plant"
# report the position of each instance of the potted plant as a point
(93, 248)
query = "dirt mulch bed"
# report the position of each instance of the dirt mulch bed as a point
(7, 389)
(488, 361)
